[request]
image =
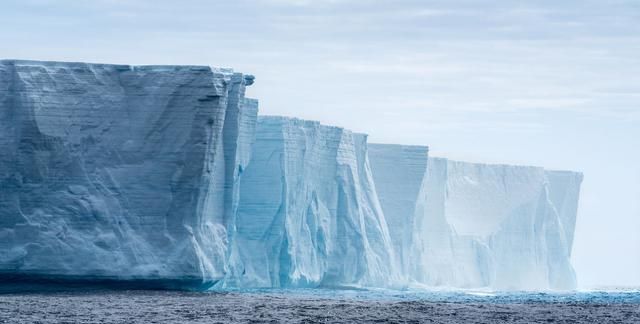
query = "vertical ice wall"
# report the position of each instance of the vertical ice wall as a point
(476, 225)
(492, 226)
(564, 191)
(115, 171)
(238, 137)
(563, 194)
(308, 213)
(398, 172)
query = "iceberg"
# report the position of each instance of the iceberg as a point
(165, 177)
(309, 214)
(117, 172)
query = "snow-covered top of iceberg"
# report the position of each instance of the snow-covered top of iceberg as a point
(498, 165)
(286, 120)
(153, 67)
(57, 66)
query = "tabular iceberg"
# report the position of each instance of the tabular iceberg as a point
(165, 174)
(309, 214)
(120, 172)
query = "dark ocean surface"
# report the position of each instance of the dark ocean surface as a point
(316, 306)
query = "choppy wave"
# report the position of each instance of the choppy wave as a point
(317, 306)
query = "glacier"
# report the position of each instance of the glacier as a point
(167, 176)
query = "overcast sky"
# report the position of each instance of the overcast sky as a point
(548, 83)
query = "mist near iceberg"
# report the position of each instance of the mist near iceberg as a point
(166, 176)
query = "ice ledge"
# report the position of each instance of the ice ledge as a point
(502, 165)
(249, 79)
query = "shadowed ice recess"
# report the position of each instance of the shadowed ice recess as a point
(165, 177)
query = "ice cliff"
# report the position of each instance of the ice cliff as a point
(120, 172)
(476, 225)
(166, 175)
(398, 171)
(309, 214)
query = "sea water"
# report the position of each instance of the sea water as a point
(317, 306)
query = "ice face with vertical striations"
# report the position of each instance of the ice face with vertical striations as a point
(120, 172)
(469, 225)
(494, 226)
(398, 172)
(165, 174)
(309, 215)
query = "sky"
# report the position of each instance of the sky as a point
(547, 83)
